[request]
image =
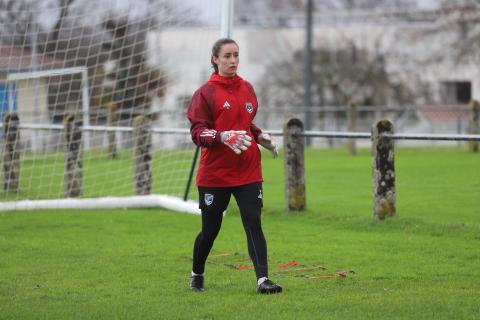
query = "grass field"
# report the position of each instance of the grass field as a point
(135, 264)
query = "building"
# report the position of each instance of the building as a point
(29, 98)
(407, 47)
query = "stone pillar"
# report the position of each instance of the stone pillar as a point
(474, 124)
(11, 154)
(142, 139)
(295, 199)
(112, 121)
(352, 127)
(383, 170)
(73, 175)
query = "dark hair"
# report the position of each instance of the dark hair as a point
(217, 46)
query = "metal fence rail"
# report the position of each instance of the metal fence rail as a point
(309, 134)
(396, 136)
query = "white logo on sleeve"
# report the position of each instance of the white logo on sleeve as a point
(208, 199)
(226, 105)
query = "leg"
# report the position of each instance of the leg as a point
(213, 201)
(249, 200)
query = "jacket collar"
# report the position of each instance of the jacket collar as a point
(228, 82)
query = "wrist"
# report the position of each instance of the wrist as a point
(223, 135)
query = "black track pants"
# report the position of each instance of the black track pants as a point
(213, 202)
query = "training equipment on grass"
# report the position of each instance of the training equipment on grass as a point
(292, 268)
(86, 118)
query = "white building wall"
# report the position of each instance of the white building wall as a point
(185, 54)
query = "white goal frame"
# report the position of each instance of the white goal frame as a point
(83, 71)
(148, 201)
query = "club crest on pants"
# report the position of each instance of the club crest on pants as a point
(208, 199)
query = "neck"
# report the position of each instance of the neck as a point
(227, 75)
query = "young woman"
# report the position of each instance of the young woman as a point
(221, 114)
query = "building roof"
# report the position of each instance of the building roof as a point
(15, 59)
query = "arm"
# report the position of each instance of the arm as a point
(202, 127)
(263, 139)
(201, 120)
(256, 131)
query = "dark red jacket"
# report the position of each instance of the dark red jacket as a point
(223, 104)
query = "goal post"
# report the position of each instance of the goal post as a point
(78, 81)
(82, 71)
(41, 174)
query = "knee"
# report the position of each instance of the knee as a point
(253, 223)
(209, 234)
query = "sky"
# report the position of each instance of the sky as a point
(428, 4)
(210, 9)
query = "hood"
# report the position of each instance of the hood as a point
(227, 82)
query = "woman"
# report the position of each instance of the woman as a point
(221, 114)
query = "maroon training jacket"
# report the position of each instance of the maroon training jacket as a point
(223, 104)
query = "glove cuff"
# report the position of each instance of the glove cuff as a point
(222, 136)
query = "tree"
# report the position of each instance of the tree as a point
(459, 30)
(286, 13)
(340, 76)
(22, 19)
(88, 33)
(54, 35)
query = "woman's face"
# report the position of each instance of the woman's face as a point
(227, 60)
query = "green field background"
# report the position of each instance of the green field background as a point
(135, 264)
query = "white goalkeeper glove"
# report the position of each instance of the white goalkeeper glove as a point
(266, 141)
(238, 141)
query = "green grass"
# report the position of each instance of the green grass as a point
(422, 264)
(42, 176)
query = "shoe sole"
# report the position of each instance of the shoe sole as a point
(270, 292)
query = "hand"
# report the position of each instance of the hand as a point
(238, 141)
(266, 141)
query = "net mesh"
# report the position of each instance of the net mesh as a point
(104, 65)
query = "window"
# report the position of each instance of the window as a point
(456, 92)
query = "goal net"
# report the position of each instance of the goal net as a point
(93, 96)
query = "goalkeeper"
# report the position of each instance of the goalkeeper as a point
(221, 114)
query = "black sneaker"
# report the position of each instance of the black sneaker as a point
(268, 287)
(196, 284)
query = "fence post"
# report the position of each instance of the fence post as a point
(383, 170)
(112, 119)
(294, 165)
(352, 127)
(142, 139)
(474, 125)
(73, 176)
(11, 154)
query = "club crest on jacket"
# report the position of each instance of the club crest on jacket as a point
(249, 107)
